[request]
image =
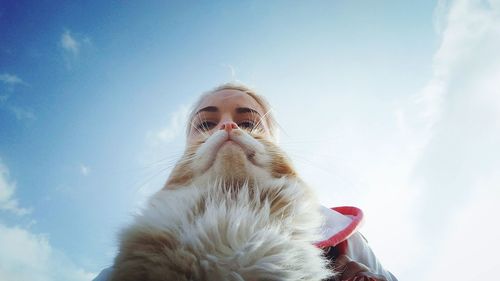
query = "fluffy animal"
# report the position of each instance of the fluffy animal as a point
(233, 208)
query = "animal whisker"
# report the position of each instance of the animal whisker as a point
(261, 119)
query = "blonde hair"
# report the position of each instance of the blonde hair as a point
(268, 115)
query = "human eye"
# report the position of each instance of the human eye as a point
(206, 125)
(247, 125)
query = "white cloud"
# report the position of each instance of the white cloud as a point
(69, 43)
(84, 169)
(26, 256)
(466, 27)
(164, 148)
(454, 127)
(7, 188)
(9, 82)
(470, 250)
(10, 79)
(22, 113)
(175, 127)
(72, 45)
(461, 101)
(427, 181)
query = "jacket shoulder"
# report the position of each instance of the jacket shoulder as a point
(340, 224)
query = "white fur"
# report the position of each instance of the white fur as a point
(207, 153)
(237, 237)
(262, 230)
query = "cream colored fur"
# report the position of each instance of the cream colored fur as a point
(218, 233)
(230, 211)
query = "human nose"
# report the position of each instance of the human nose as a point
(228, 126)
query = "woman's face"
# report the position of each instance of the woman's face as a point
(227, 108)
(229, 141)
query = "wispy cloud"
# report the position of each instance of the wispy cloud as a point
(27, 256)
(10, 79)
(72, 45)
(10, 82)
(69, 43)
(459, 98)
(8, 202)
(438, 164)
(84, 169)
(163, 148)
(22, 113)
(453, 124)
(175, 127)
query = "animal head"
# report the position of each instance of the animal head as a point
(196, 230)
(231, 137)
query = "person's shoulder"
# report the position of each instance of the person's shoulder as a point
(104, 275)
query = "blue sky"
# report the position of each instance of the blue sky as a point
(391, 106)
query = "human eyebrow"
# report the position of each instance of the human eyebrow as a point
(208, 109)
(241, 110)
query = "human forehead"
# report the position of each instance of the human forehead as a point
(229, 99)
